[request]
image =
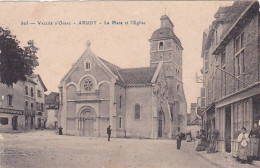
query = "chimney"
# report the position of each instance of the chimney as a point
(166, 22)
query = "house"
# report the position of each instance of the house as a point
(52, 110)
(230, 96)
(193, 120)
(40, 88)
(18, 105)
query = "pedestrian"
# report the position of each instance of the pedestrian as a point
(254, 141)
(197, 140)
(202, 143)
(109, 130)
(243, 139)
(179, 138)
(189, 137)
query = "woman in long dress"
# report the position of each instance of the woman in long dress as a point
(189, 137)
(243, 139)
(254, 142)
(197, 140)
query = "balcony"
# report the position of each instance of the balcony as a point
(87, 95)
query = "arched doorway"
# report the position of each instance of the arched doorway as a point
(161, 122)
(87, 120)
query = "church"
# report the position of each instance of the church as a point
(147, 102)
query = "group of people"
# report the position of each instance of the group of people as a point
(248, 144)
(201, 142)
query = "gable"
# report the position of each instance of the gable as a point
(36, 78)
(98, 69)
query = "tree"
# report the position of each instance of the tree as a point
(16, 63)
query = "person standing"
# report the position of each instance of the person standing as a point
(109, 130)
(179, 137)
(254, 141)
(197, 140)
(243, 139)
(189, 137)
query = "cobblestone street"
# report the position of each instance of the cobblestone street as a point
(46, 149)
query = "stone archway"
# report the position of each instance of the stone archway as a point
(87, 120)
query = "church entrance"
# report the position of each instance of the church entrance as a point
(161, 121)
(86, 122)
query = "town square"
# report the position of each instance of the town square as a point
(169, 84)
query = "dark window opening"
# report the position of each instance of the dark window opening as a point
(120, 122)
(137, 111)
(87, 65)
(31, 92)
(161, 46)
(26, 90)
(9, 100)
(4, 121)
(120, 101)
(32, 105)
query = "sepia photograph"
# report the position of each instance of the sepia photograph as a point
(130, 84)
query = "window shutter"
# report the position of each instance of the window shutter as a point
(203, 97)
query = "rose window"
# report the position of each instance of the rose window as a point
(88, 85)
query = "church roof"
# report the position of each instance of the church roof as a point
(165, 33)
(137, 75)
(142, 75)
(111, 66)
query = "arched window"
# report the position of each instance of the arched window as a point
(137, 109)
(87, 65)
(161, 46)
(88, 85)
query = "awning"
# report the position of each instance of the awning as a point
(212, 105)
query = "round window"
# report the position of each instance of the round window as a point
(88, 85)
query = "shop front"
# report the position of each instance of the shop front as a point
(241, 109)
(11, 119)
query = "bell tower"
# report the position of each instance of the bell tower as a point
(165, 46)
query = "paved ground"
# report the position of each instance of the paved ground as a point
(46, 149)
(224, 160)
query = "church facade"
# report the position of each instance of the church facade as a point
(147, 102)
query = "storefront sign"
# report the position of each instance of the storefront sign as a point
(11, 111)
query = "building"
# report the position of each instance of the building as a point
(147, 102)
(52, 110)
(230, 96)
(193, 120)
(18, 106)
(39, 96)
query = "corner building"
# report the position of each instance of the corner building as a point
(147, 102)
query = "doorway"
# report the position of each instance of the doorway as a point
(86, 123)
(228, 129)
(15, 123)
(160, 124)
(88, 127)
(39, 123)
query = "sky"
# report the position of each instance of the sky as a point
(126, 46)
